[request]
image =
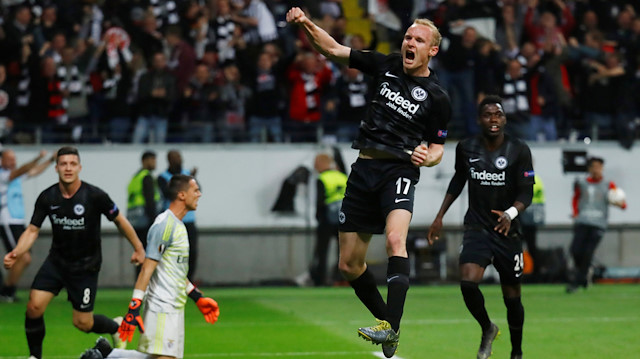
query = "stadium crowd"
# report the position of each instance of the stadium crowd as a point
(98, 71)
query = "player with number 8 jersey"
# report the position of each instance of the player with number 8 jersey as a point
(74, 208)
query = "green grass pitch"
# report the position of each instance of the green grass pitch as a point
(602, 322)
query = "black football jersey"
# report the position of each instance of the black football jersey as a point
(493, 177)
(75, 223)
(404, 111)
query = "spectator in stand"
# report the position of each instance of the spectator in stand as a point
(91, 22)
(457, 61)
(353, 93)
(308, 80)
(515, 100)
(267, 100)
(545, 106)
(166, 12)
(51, 116)
(509, 30)
(75, 87)
(7, 107)
(235, 96)
(258, 23)
(18, 31)
(148, 38)
(547, 28)
(202, 105)
(199, 31)
(54, 48)
(607, 84)
(116, 87)
(48, 25)
(622, 38)
(488, 68)
(590, 48)
(589, 23)
(222, 31)
(156, 94)
(22, 73)
(182, 60)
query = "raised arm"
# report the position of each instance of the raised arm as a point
(320, 39)
(25, 168)
(40, 167)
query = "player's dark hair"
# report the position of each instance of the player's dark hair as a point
(148, 154)
(594, 159)
(67, 150)
(489, 100)
(178, 183)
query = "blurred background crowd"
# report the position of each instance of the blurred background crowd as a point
(134, 71)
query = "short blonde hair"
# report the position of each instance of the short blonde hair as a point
(436, 37)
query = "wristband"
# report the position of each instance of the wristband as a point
(194, 293)
(512, 212)
(138, 294)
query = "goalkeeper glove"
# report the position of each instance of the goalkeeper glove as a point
(131, 321)
(207, 306)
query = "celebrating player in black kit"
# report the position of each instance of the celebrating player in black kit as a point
(500, 175)
(407, 109)
(74, 208)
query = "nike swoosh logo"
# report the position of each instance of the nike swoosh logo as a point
(398, 200)
(518, 275)
(474, 160)
(55, 207)
(392, 278)
(389, 74)
(82, 306)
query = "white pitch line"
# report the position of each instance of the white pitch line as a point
(246, 355)
(380, 355)
(418, 322)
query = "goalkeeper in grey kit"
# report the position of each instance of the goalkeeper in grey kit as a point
(163, 285)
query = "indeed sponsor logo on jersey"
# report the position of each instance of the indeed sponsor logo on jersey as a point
(397, 102)
(489, 178)
(68, 223)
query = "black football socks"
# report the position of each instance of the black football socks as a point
(474, 300)
(515, 318)
(34, 328)
(397, 287)
(103, 324)
(368, 293)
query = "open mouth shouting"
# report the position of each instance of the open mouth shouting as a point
(409, 56)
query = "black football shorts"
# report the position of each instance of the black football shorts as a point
(81, 286)
(375, 188)
(483, 248)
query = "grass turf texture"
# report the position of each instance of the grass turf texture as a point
(602, 322)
